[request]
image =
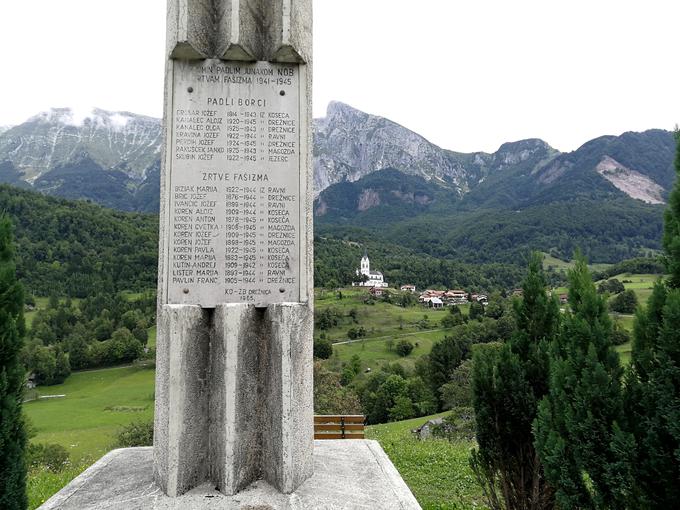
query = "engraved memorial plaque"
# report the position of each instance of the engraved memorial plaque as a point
(234, 184)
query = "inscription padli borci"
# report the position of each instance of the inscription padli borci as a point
(234, 184)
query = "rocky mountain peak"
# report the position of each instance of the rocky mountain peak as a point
(349, 144)
(60, 134)
(513, 153)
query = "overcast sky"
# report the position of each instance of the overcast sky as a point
(467, 75)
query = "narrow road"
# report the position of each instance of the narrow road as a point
(388, 336)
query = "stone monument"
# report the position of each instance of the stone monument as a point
(234, 350)
(233, 418)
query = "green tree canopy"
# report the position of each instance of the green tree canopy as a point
(577, 429)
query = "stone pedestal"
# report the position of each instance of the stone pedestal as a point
(233, 397)
(348, 474)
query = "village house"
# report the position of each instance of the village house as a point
(449, 297)
(429, 293)
(456, 297)
(376, 291)
(408, 288)
(434, 302)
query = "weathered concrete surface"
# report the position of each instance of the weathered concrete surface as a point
(261, 409)
(348, 474)
(182, 396)
(234, 396)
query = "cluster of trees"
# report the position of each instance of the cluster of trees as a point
(642, 265)
(624, 301)
(102, 330)
(560, 422)
(612, 286)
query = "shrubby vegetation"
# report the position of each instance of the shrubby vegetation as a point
(137, 433)
(613, 286)
(53, 457)
(625, 302)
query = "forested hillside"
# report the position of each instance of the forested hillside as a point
(78, 249)
(395, 208)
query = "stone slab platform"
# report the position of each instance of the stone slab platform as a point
(348, 474)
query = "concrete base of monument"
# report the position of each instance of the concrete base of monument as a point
(348, 474)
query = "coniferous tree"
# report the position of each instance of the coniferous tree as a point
(12, 433)
(508, 383)
(577, 430)
(671, 233)
(653, 382)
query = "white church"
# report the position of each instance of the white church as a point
(374, 278)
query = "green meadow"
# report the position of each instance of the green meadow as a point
(95, 405)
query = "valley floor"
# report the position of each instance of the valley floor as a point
(97, 403)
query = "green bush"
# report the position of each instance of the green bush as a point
(612, 286)
(626, 302)
(619, 335)
(323, 348)
(137, 433)
(404, 347)
(355, 333)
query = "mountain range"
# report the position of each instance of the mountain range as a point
(377, 179)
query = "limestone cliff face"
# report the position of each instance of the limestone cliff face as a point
(113, 158)
(349, 144)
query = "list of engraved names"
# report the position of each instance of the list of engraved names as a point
(234, 185)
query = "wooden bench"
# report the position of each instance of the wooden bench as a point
(339, 427)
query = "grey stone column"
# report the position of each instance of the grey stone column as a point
(181, 408)
(234, 395)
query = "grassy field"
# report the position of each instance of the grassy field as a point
(380, 319)
(641, 284)
(96, 404)
(437, 471)
(562, 266)
(375, 352)
(383, 322)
